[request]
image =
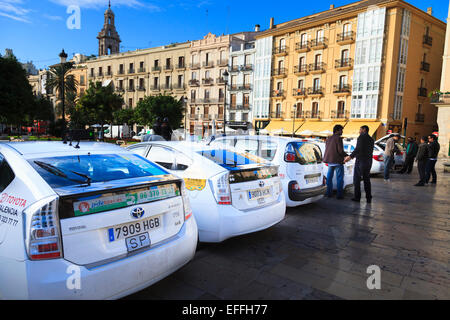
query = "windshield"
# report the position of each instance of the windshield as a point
(231, 159)
(76, 170)
(307, 153)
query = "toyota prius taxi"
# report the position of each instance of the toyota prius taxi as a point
(231, 193)
(94, 222)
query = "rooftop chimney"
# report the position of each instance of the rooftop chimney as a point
(430, 11)
(257, 28)
(272, 22)
(331, 6)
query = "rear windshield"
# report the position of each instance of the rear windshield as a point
(231, 159)
(77, 170)
(307, 153)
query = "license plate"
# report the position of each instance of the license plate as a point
(126, 230)
(312, 180)
(137, 242)
(259, 193)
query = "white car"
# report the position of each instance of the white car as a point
(348, 168)
(300, 164)
(399, 158)
(378, 158)
(231, 194)
(94, 222)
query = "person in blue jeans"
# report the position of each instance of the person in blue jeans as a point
(389, 154)
(334, 157)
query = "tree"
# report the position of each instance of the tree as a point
(16, 96)
(162, 106)
(42, 110)
(97, 105)
(125, 116)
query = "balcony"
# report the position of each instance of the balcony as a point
(247, 67)
(280, 51)
(301, 70)
(121, 72)
(315, 115)
(427, 41)
(278, 93)
(245, 87)
(179, 86)
(207, 117)
(316, 68)
(141, 70)
(279, 73)
(154, 87)
(120, 89)
(233, 87)
(208, 81)
(156, 69)
(423, 92)
(208, 101)
(420, 117)
(208, 64)
(180, 66)
(319, 43)
(131, 71)
(339, 114)
(234, 68)
(302, 47)
(424, 66)
(344, 64)
(441, 98)
(342, 89)
(109, 74)
(130, 89)
(277, 115)
(299, 92)
(168, 68)
(140, 88)
(193, 117)
(220, 80)
(100, 74)
(345, 38)
(222, 63)
(315, 92)
(194, 66)
(166, 86)
(194, 83)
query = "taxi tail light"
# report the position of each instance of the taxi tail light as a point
(289, 153)
(295, 186)
(43, 236)
(186, 202)
(220, 186)
(378, 157)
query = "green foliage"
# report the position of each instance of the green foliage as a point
(124, 116)
(161, 106)
(96, 106)
(16, 96)
(43, 109)
(55, 78)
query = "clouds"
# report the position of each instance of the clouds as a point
(13, 9)
(98, 4)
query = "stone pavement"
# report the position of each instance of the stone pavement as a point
(322, 251)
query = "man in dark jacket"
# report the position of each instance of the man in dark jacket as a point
(334, 157)
(157, 127)
(433, 151)
(166, 130)
(411, 152)
(422, 159)
(363, 154)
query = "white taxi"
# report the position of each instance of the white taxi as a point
(231, 193)
(299, 161)
(94, 222)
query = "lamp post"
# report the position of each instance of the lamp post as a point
(225, 80)
(63, 59)
(293, 122)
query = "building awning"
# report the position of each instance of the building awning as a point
(318, 128)
(106, 83)
(351, 130)
(282, 127)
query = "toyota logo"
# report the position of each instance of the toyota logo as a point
(262, 184)
(137, 213)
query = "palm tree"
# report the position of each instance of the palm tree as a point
(60, 79)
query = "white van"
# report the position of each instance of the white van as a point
(94, 222)
(299, 161)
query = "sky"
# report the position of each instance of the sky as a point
(37, 30)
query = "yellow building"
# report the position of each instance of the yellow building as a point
(80, 74)
(371, 62)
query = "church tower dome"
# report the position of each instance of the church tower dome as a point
(108, 39)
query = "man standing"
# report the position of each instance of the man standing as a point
(166, 130)
(334, 156)
(411, 152)
(422, 159)
(363, 154)
(389, 154)
(433, 151)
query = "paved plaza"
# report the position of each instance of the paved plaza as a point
(322, 251)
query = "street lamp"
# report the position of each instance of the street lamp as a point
(225, 80)
(63, 59)
(293, 122)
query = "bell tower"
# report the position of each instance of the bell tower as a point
(108, 39)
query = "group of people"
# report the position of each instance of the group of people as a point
(426, 155)
(163, 129)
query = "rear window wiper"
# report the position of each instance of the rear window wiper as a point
(58, 172)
